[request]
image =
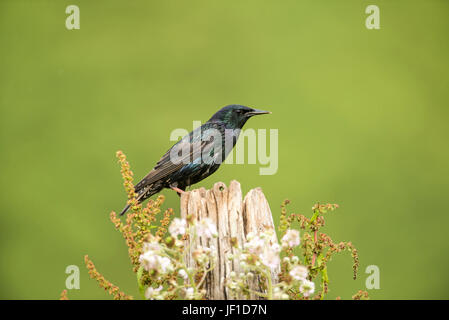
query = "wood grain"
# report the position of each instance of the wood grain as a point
(234, 218)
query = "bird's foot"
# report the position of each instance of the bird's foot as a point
(179, 191)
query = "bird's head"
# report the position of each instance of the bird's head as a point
(236, 115)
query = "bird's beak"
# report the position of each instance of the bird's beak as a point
(256, 112)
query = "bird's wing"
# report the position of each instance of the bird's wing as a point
(190, 149)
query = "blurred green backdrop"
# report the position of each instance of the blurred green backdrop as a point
(362, 118)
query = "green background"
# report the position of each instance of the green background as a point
(362, 118)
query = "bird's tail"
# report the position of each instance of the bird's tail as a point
(145, 193)
(125, 209)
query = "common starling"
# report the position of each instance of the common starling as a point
(197, 155)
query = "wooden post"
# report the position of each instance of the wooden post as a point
(234, 218)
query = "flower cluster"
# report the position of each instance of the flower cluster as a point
(260, 258)
(102, 282)
(153, 259)
(317, 249)
(163, 272)
(264, 247)
(176, 264)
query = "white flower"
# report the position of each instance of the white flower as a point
(151, 246)
(270, 256)
(299, 273)
(202, 255)
(177, 227)
(270, 259)
(165, 265)
(150, 260)
(153, 293)
(255, 245)
(291, 238)
(206, 228)
(179, 243)
(275, 247)
(307, 288)
(233, 285)
(264, 248)
(249, 236)
(189, 293)
(277, 293)
(182, 273)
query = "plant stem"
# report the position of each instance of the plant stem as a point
(270, 286)
(315, 241)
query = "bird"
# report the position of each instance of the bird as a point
(197, 155)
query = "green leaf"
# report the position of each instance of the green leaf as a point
(319, 259)
(316, 213)
(324, 280)
(324, 275)
(139, 283)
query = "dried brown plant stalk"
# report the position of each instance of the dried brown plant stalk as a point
(64, 295)
(318, 248)
(103, 283)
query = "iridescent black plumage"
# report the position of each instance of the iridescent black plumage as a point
(178, 169)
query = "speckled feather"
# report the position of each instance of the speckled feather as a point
(191, 167)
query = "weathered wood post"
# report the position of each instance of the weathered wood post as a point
(234, 218)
